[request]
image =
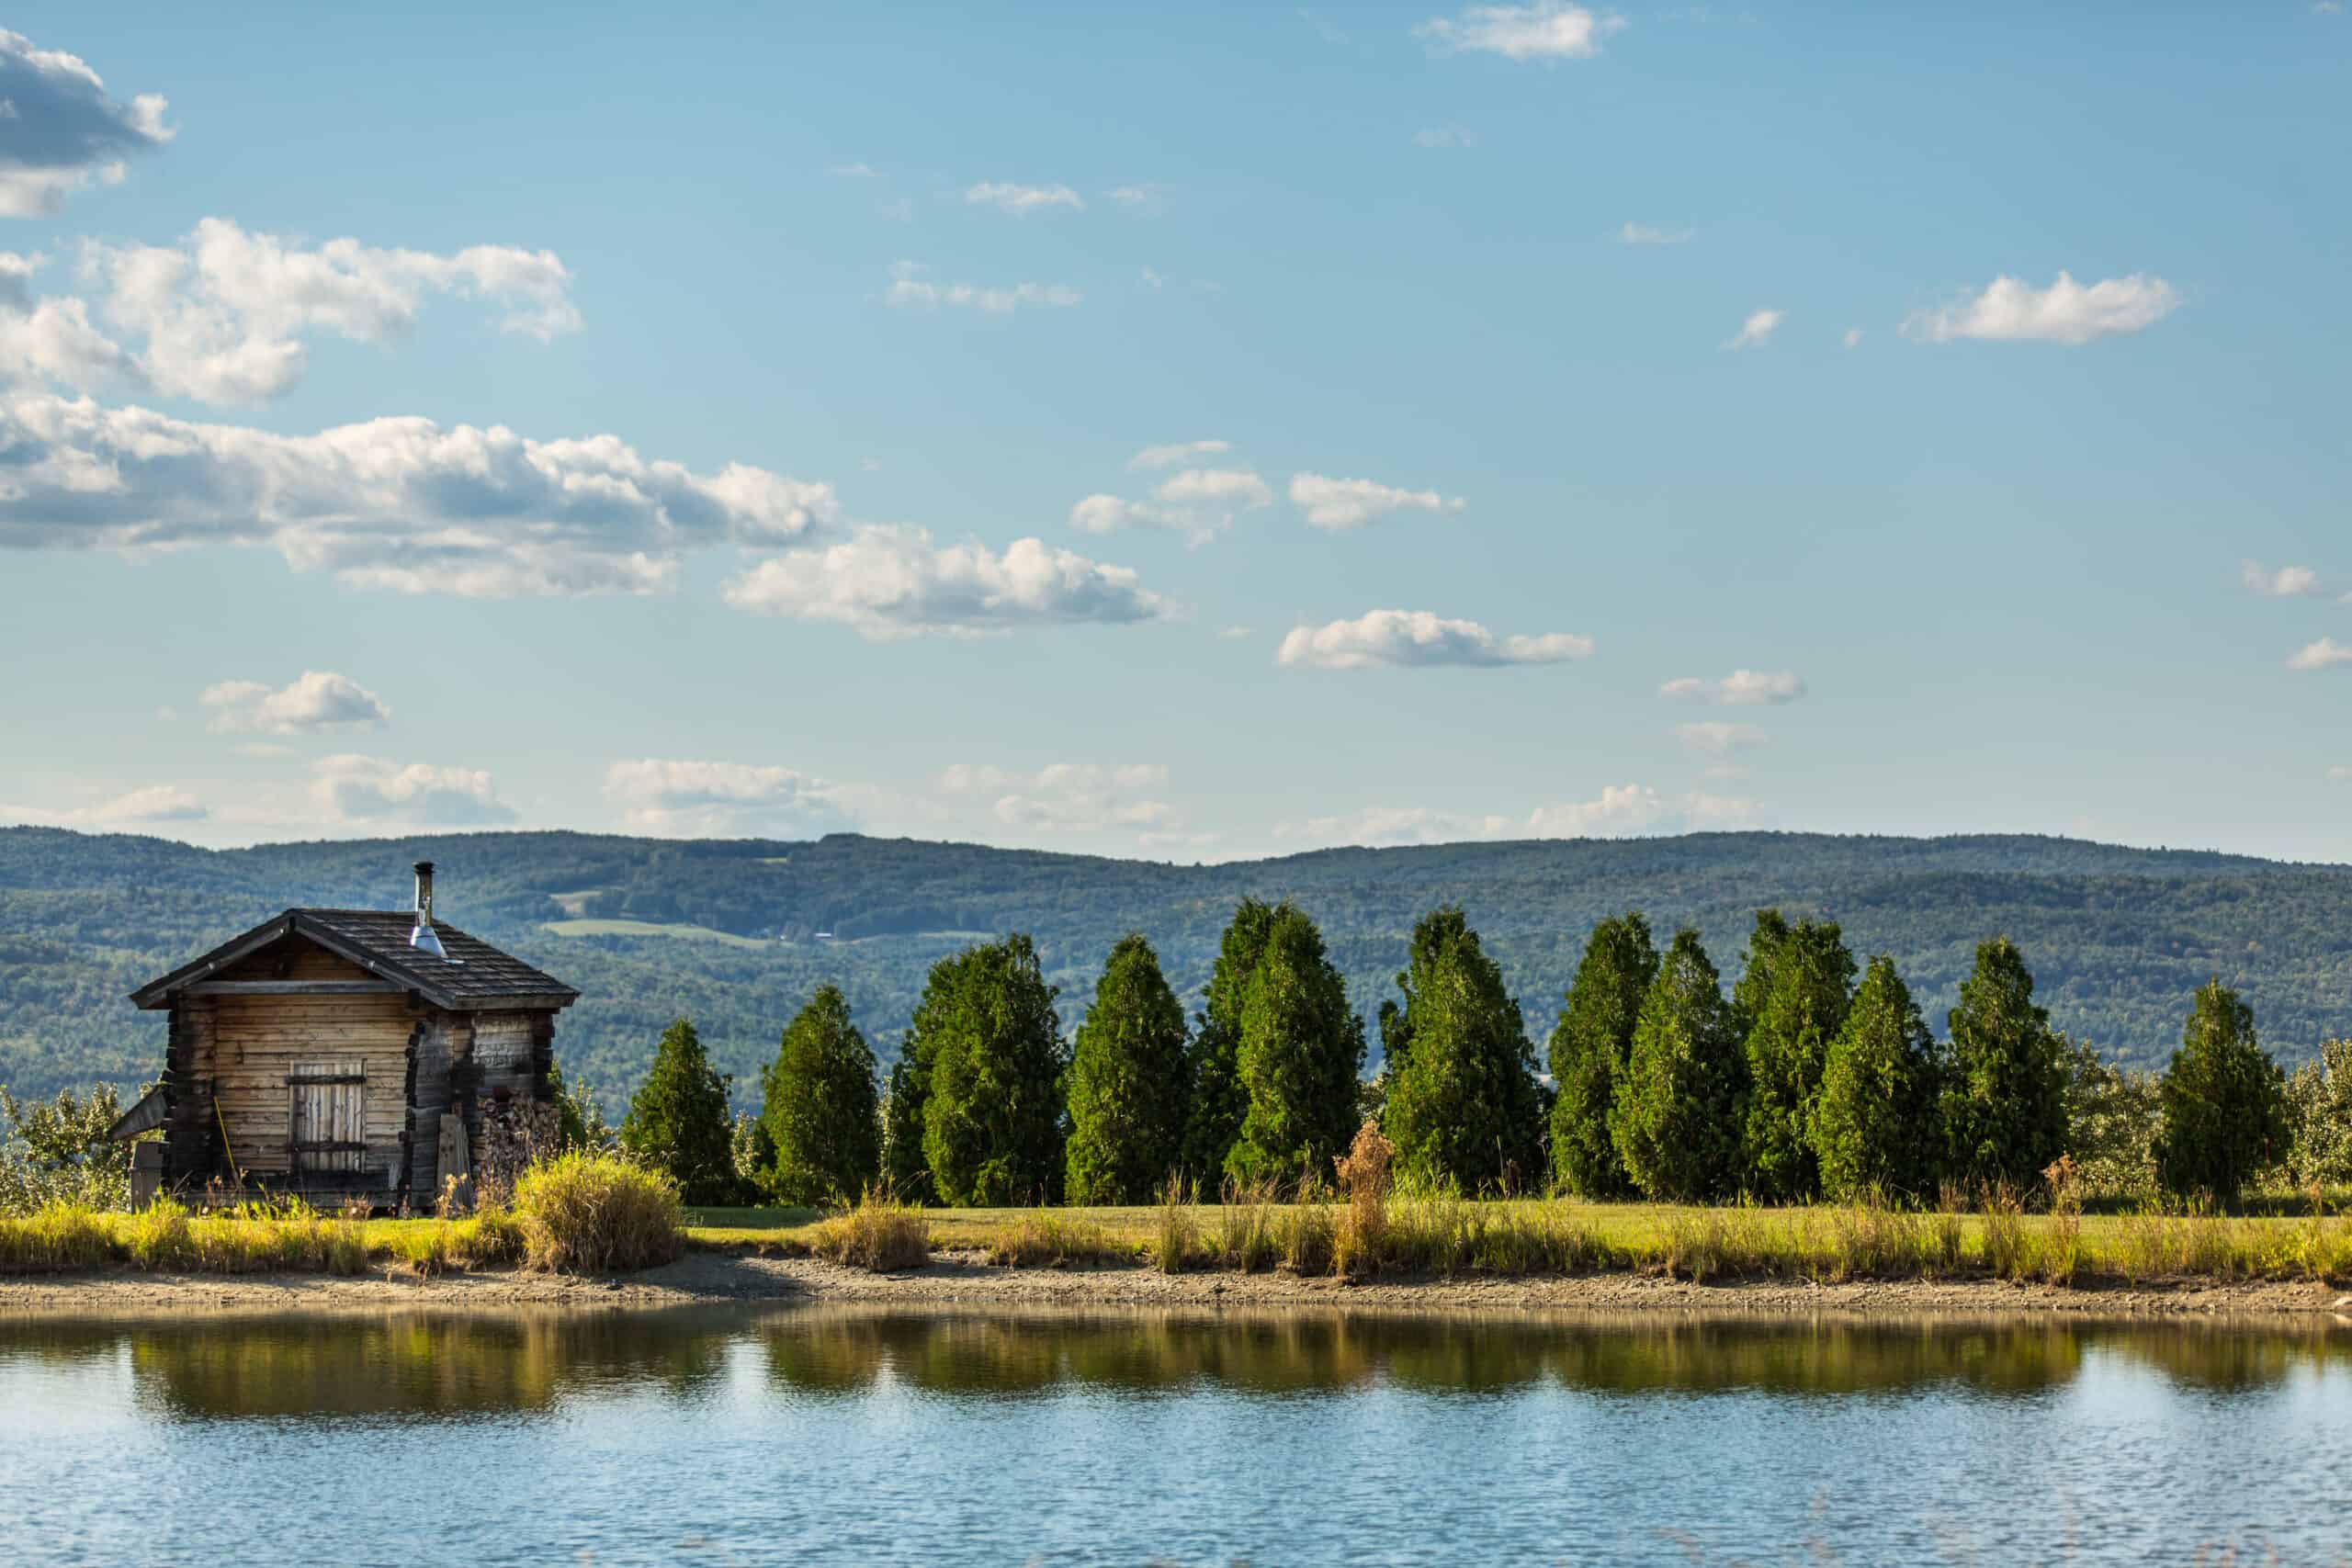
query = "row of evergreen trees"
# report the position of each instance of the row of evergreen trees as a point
(1802, 1082)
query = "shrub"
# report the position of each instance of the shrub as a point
(1245, 1224)
(1177, 1242)
(1363, 1232)
(592, 1213)
(58, 1235)
(1042, 1238)
(880, 1233)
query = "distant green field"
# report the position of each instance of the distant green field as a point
(642, 928)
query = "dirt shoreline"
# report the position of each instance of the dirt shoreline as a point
(962, 1280)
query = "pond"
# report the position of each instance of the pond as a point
(828, 1435)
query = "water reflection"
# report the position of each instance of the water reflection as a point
(427, 1364)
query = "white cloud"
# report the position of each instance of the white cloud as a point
(1853, 337)
(319, 699)
(1758, 330)
(222, 316)
(62, 130)
(1021, 200)
(1715, 739)
(1417, 638)
(156, 803)
(1175, 452)
(1741, 688)
(2286, 582)
(348, 788)
(890, 582)
(670, 798)
(2339, 775)
(1135, 198)
(397, 503)
(1233, 634)
(1230, 488)
(1651, 234)
(860, 170)
(2320, 655)
(1548, 31)
(1350, 504)
(1070, 798)
(1618, 811)
(910, 288)
(2011, 310)
(1200, 503)
(1435, 136)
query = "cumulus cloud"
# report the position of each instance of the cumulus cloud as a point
(397, 503)
(890, 582)
(1715, 739)
(2286, 582)
(348, 788)
(911, 290)
(60, 130)
(2323, 654)
(1741, 688)
(317, 700)
(1021, 200)
(1549, 30)
(1758, 330)
(2011, 310)
(1173, 452)
(1350, 504)
(671, 798)
(1618, 810)
(1650, 234)
(1200, 503)
(222, 316)
(1436, 135)
(1070, 798)
(1417, 638)
(156, 802)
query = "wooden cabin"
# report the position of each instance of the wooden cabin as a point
(349, 1056)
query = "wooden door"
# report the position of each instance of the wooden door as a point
(328, 1104)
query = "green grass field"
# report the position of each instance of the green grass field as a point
(643, 927)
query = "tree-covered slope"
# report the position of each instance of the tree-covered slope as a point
(2119, 939)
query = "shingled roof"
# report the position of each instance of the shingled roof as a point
(474, 975)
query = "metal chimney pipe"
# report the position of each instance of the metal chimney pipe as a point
(423, 938)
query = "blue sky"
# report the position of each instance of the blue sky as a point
(1192, 432)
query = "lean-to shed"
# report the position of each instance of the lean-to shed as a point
(347, 1055)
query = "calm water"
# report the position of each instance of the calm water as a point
(827, 1435)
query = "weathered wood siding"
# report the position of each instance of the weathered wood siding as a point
(257, 1042)
(293, 959)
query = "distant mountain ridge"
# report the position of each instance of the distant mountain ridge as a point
(2118, 937)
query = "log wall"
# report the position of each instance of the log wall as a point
(258, 1042)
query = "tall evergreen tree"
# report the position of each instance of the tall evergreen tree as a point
(2223, 1099)
(820, 1108)
(1301, 1051)
(906, 1098)
(1220, 1100)
(1462, 1110)
(1874, 1126)
(1758, 967)
(1812, 982)
(992, 1126)
(678, 1120)
(1675, 1120)
(1589, 1044)
(1128, 1090)
(2005, 1097)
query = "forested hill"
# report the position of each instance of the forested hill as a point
(728, 933)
